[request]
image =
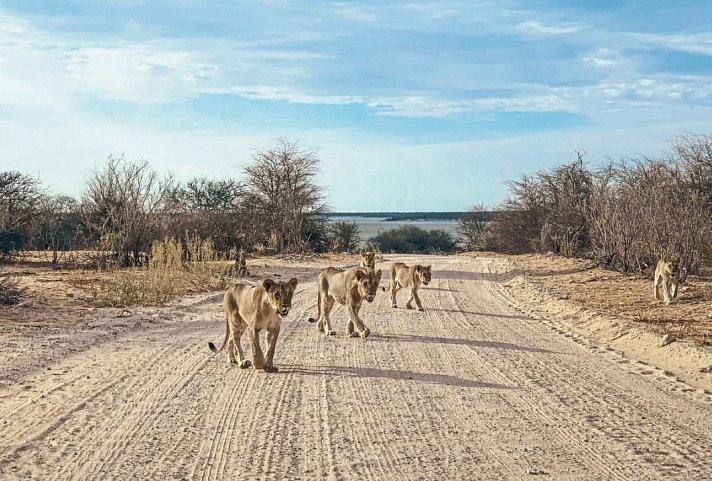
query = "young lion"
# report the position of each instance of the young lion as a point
(349, 288)
(255, 308)
(412, 277)
(368, 260)
(667, 276)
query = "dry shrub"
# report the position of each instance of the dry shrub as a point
(10, 291)
(168, 275)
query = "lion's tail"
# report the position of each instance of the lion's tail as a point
(318, 306)
(227, 334)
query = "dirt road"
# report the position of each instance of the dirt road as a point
(469, 389)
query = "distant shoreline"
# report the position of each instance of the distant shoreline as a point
(401, 216)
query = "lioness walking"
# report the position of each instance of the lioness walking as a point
(368, 260)
(409, 277)
(667, 277)
(255, 308)
(349, 288)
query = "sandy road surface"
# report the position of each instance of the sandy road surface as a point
(469, 389)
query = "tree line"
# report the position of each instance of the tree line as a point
(625, 214)
(275, 206)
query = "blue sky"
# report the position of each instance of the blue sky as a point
(451, 98)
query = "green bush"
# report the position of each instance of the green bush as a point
(414, 240)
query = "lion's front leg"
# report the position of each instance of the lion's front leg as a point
(354, 307)
(411, 296)
(272, 335)
(656, 290)
(258, 359)
(417, 300)
(666, 292)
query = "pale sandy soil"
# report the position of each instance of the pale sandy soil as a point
(490, 382)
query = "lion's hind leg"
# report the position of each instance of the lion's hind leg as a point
(324, 323)
(237, 351)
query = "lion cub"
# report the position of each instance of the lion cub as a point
(255, 308)
(349, 288)
(412, 277)
(368, 260)
(667, 276)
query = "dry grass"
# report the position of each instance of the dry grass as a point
(626, 296)
(167, 276)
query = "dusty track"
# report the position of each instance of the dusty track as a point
(469, 389)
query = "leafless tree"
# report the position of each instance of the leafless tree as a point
(19, 198)
(282, 196)
(209, 209)
(122, 204)
(58, 225)
(473, 228)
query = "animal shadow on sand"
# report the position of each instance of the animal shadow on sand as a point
(392, 374)
(457, 341)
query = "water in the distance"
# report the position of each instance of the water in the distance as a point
(370, 226)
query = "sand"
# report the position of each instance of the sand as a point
(488, 383)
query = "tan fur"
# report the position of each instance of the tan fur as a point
(368, 260)
(409, 277)
(667, 276)
(254, 308)
(349, 288)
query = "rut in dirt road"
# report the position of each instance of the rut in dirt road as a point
(471, 388)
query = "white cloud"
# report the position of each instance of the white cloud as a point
(426, 106)
(535, 28)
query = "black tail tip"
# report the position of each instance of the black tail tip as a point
(311, 319)
(212, 347)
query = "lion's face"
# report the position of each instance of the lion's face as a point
(368, 259)
(280, 294)
(425, 274)
(368, 283)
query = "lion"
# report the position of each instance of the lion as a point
(667, 276)
(412, 277)
(349, 288)
(255, 308)
(368, 260)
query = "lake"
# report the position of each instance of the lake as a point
(371, 226)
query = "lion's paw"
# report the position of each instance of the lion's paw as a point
(245, 364)
(365, 333)
(271, 369)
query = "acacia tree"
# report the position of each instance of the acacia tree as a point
(344, 236)
(58, 225)
(283, 198)
(19, 199)
(473, 227)
(122, 204)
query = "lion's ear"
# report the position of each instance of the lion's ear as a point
(418, 268)
(378, 274)
(293, 282)
(268, 284)
(359, 274)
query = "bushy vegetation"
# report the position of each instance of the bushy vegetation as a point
(275, 207)
(10, 291)
(414, 240)
(625, 214)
